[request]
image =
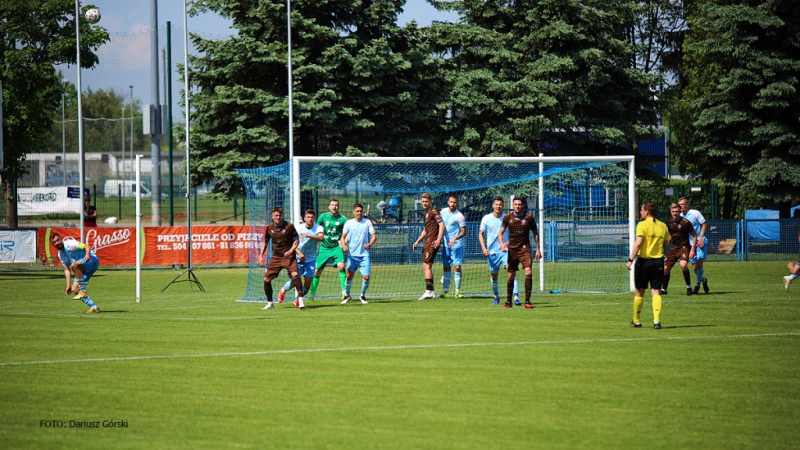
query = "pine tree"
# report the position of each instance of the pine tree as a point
(544, 76)
(361, 85)
(741, 110)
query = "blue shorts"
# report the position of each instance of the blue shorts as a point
(700, 253)
(306, 269)
(90, 267)
(452, 257)
(496, 261)
(358, 263)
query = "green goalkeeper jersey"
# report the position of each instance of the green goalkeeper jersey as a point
(332, 229)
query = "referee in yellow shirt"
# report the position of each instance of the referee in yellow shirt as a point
(652, 240)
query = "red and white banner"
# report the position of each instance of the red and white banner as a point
(161, 246)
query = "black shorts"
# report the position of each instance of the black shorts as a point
(648, 271)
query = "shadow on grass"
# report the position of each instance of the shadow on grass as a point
(686, 326)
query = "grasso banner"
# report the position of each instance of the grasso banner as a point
(160, 245)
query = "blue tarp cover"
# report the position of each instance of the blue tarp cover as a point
(760, 227)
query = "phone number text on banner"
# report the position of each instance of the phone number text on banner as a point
(160, 245)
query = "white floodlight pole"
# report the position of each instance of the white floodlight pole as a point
(138, 228)
(80, 112)
(541, 223)
(631, 214)
(289, 46)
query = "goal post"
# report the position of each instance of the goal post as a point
(584, 206)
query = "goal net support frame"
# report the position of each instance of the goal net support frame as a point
(297, 185)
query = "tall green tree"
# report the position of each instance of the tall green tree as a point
(35, 35)
(361, 84)
(544, 76)
(739, 117)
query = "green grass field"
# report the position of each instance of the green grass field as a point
(190, 369)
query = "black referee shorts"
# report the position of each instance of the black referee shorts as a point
(648, 271)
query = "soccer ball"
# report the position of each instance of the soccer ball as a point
(93, 15)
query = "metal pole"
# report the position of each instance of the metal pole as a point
(122, 128)
(289, 46)
(168, 101)
(124, 175)
(80, 113)
(155, 137)
(63, 138)
(191, 277)
(186, 105)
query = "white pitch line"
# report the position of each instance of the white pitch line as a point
(396, 347)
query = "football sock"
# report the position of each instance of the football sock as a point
(429, 284)
(510, 290)
(793, 276)
(298, 286)
(656, 308)
(699, 273)
(314, 283)
(268, 290)
(687, 278)
(287, 285)
(364, 286)
(516, 287)
(446, 280)
(88, 301)
(347, 286)
(665, 283)
(637, 308)
(342, 278)
(495, 287)
(458, 281)
(528, 287)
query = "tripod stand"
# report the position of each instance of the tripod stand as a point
(190, 276)
(189, 271)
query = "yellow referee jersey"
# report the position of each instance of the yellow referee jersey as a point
(654, 233)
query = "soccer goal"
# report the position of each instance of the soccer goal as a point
(584, 207)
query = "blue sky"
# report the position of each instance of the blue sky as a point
(134, 15)
(126, 60)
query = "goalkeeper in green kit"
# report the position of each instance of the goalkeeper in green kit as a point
(332, 224)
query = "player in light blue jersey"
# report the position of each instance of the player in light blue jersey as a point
(358, 236)
(306, 254)
(496, 257)
(78, 258)
(699, 224)
(455, 228)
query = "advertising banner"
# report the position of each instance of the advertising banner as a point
(161, 246)
(17, 246)
(37, 201)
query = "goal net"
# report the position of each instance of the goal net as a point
(582, 207)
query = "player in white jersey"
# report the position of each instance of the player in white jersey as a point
(455, 228)
(78, 258)
(306, 253)
(699, 224)
(358, 236)
(496, 257)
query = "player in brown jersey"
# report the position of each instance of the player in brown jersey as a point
(284, 242)
(682, 248)
(519, 226)
(432, 232)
